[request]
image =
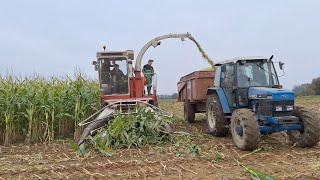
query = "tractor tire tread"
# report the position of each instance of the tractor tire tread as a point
(312, 128)
(252, 134)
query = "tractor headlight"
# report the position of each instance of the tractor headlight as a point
(278, 108)
(289, 108)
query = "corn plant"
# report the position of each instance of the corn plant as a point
(47, 109)
(82, 97)
(38, 109)
(131, 131)
(30, 112)
(9, 98)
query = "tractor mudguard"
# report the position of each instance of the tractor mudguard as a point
(222, 97)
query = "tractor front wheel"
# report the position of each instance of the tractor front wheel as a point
(310, 135)
(245, 129)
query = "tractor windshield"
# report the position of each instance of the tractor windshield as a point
(114, 76)
(256, 73)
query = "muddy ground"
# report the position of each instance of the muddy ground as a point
(217, 159)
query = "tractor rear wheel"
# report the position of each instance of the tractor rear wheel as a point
(218, 125)
(310, 135)
(245, 129)
(189, 112)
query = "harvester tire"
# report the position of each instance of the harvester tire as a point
(155, 103)
(245, 129)
(218, 124)
(189, 112)
(310, 135)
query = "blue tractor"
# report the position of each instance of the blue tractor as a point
(248, 100)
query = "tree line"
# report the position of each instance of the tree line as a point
(168, 96)
(308, 89)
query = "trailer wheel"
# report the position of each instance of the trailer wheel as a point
(216, 121)
(189, 112)
(245, 129)
(310, 135)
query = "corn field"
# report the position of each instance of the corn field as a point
(38, 109)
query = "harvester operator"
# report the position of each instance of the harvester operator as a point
(116, 73)
(117, 77)
(148, 71)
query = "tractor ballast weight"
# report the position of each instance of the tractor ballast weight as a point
(248, 99)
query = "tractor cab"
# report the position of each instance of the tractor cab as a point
(247, 78)
(114, 70)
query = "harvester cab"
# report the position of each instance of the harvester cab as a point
(114, 71)
(121, 91)
(248, 99)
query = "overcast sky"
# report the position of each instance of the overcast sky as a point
(54, 37)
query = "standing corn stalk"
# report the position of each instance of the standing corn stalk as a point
(47, 109)
(30, 108)
(36, 109)
(84, 102)
(9, 93)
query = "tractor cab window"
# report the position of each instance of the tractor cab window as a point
(227, 82)
(254, 73)
(274, 79)
(114, 76)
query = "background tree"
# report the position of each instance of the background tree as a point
(308, 89)
(174, 96)
(316, 85)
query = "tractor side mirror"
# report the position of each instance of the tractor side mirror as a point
(96, 66)
(281, 65)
